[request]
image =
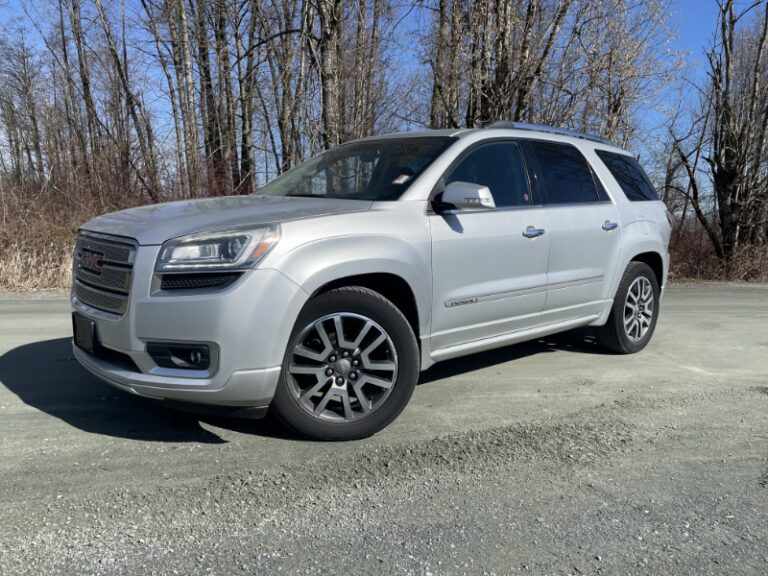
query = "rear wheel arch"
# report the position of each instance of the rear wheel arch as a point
(654, 261)
(616, 333)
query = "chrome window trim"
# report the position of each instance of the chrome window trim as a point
(457, 211)
(514, 208)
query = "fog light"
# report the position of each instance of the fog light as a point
(179, 355)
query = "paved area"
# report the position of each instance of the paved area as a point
(549, 457)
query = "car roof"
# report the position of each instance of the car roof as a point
(448, 133)
(509, 129)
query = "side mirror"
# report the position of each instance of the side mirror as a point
(468, 196)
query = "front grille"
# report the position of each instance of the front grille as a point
(101, 300)
(103, 271)
(116, 250)
(110, 278)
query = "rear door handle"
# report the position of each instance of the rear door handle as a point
(608, 225)
(531, 232)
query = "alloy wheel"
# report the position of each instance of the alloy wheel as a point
(342, 367)
(638, 309)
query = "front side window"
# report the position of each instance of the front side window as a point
(629, 175)
(499, 166)
(372, 170)
(567, 176)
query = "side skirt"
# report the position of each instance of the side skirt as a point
(510, 338)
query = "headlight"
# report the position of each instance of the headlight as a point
(235, 250)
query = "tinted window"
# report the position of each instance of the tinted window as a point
(498, 165)
(629, 175)
(566, 174)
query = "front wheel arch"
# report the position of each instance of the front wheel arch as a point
(391, 286)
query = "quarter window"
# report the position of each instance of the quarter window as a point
(566, 174)
(629, 175)
(499, 166)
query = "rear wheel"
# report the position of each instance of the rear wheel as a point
(634, 312)
(350, 368)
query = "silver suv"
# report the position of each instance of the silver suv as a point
(325, 294)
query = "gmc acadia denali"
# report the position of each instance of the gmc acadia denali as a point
(325, 294)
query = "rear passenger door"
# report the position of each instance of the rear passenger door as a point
(584, 230)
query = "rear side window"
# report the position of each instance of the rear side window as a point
(629, 175)
(566, 174)
(498, 165)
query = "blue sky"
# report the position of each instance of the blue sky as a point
(694, 22)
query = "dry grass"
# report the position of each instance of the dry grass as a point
(46, 269)
(37, 234)
(35, 252)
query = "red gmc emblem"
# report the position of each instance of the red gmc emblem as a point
(91, 261)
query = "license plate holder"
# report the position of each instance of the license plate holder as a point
(84, 333)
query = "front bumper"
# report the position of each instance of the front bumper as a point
(248, 325)
(241, 388)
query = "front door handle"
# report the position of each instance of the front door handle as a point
(608, 225)
(531, 232)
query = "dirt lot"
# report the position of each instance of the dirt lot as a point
(544, 458)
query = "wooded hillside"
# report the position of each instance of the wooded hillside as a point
(105, 105)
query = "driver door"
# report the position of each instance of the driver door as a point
(489, 267)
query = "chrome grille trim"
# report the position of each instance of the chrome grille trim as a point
(100, 299)
(111, 278)
(103, 271)
(117, 252)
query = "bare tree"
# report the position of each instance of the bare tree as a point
(730, 136)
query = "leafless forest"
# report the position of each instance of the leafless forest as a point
(109, 104)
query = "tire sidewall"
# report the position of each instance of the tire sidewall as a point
(634, 271)
(372, 305)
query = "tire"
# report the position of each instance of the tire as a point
(632, 335)
(347, 388)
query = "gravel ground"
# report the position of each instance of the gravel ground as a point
(545, 458)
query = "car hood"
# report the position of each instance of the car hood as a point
(154, 224)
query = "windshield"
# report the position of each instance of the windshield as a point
(372, 170)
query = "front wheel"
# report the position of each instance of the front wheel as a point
(634, 313)
(350, 368)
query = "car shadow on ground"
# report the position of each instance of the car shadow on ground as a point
(46, 376)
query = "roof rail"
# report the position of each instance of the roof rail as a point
(509, 125)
